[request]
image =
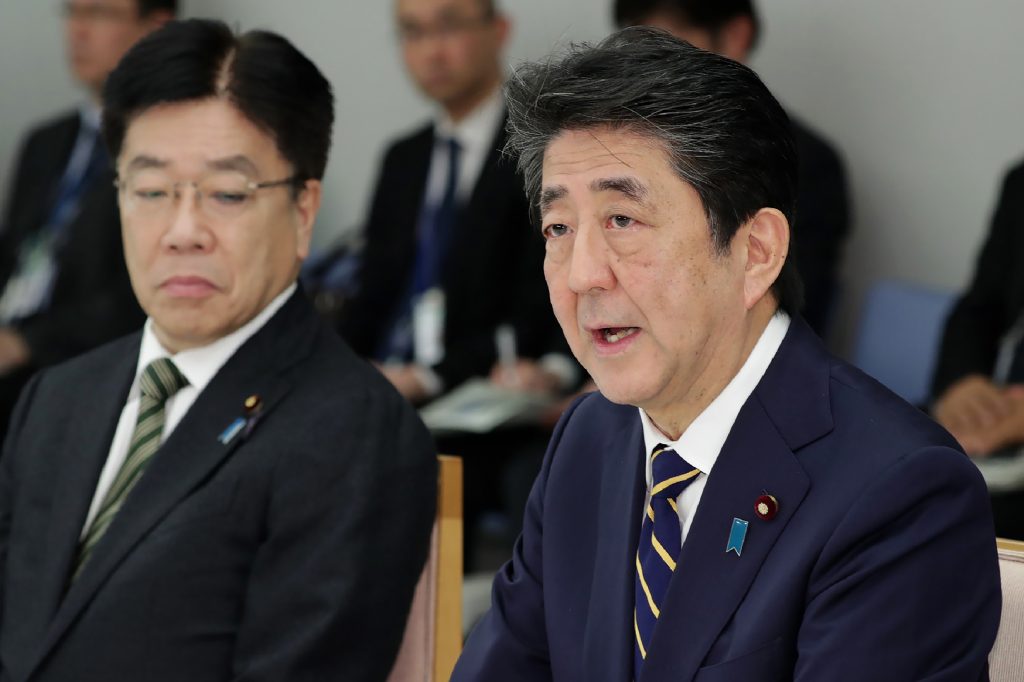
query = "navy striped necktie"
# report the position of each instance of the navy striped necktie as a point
(660, 542)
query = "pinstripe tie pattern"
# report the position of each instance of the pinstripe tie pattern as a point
(159, 381)
(660, 542)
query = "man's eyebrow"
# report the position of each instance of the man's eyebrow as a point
(550, 195)
(239, 162)
(142, 162)
(629, 187)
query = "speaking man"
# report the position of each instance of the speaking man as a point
(734, 504)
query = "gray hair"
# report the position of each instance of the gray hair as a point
(724, 132)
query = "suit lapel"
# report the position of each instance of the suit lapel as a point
(608, 646)
(709, 583)
(194, 451)
(789, 408)
(90, 432)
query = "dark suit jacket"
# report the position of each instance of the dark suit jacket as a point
(822, 224)
(288, 554)
(995, 299)
(880, 564)
(493, 272)
(92, 298)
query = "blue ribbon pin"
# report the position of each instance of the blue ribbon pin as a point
(234, 428)
(737, 535)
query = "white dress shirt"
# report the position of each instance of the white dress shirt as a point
(198, 365)
(475, 134)
(702, 441)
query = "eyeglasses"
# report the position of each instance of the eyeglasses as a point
(219, 197)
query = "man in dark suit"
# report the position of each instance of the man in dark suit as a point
(978, 387)
(230, 494)
(450, 254)
(63, 285)
(769, 512)
(731, 28)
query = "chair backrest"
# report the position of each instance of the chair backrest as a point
(433, 632)
(1007, 658)
(899, 334)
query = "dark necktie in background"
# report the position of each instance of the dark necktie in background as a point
(434, 233)
(660, 542)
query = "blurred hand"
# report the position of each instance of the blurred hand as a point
(1007, 432)
(406, 380)
(971, 404)
(14, 351)
(983, 417)
(527, 375)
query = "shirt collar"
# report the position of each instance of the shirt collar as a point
(200, 365)
(90, 116)
(702, 441)
(476, 129)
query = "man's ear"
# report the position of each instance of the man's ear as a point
(735, 39)
(158, 18)
(307, 205)
(767, 235)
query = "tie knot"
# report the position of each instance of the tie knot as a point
(161, 379)
(670, 473)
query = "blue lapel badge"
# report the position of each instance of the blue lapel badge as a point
(737, 535)
(243, 425)
(234, 428)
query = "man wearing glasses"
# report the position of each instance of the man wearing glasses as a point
(229, 494)
(63, 285)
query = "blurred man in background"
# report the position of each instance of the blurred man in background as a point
(63, 283)
(450, 254)
(731, 28)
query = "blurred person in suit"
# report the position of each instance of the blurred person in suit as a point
(231, 493)
(63, 284)
(450, 254)
(978, 386)
(734, 503)
(732, 29)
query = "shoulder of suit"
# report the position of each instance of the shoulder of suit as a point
(64, 123)
(94, 365)
(420, 137)
(1015, 175)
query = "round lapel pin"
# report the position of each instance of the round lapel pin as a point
(253, 403)
(766, 507)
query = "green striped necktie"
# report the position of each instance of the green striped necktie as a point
(159, 381)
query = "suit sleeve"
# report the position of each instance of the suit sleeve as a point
(330, 589)
(983, 314)
(510, 642)
(380, 277)
(908, 586)
(8, 482)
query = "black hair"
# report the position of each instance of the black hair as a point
(724, 132)
(709, 15)
(147, 7)
(263, 75)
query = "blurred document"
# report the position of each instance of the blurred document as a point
(478, 406)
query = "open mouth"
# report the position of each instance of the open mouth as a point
(616, 334)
